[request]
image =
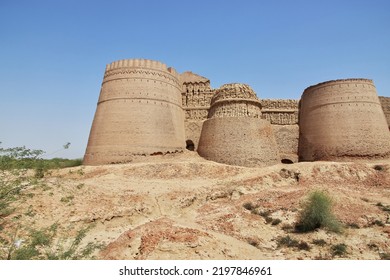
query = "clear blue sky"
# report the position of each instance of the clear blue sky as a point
(53, 53)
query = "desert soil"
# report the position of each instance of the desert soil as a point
(185, 207)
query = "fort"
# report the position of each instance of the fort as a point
(146, 108)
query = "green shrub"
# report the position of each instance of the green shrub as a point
(319, 242)
(379, 167)
(353, 225)
(288, 228)
(24, 158)
(253, 242)
(67, 199)
(264, 213)
(287, 241)
(384, 256)
(339, 249)
(303, 246)
(248, 206)
(40, 245)
(372, 246)
(25, 253)
(317, 213)
(385, 208)
(379, 223)
(276, 222)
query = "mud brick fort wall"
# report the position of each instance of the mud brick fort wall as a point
(234, 115)
(139, 112)
(342, 119)
(385, 102)
(147, 108)
(283, 116)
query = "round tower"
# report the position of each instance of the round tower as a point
(342, 119)
(139, 112)
(234, 132)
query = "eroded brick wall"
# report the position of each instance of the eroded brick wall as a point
(139, 112)
(342, 119)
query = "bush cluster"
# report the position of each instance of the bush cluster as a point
(317, 213)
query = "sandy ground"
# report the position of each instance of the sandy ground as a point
(184, 207)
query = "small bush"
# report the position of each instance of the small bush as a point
(384, 256)
(317, 213)
(319, 242)
(353, 225)
(372, 246)
(25, 253)
(385, 208)
(253, 242)
(265, 213)
(276, 222)
(287, 241)
(339, 249)
(303, 246)
(248, 206)
(67, 199)
(323, 257)
(41, 245)
(39, 173)
(379, 167)
(40, 237)
(379, 223)
(287, 228)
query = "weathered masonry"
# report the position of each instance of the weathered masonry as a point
(146, 108)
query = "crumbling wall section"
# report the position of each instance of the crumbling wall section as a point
(283, 116)
(196, 97)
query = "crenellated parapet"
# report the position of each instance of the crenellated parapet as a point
(142, 69)
(196, 96)
(235, 100)
(279, 104)
(234, 132)
(234, 91)
(280, 111)
(146, 108)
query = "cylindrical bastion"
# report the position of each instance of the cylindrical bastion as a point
(342, 119)
(234, 132)
(139, 112)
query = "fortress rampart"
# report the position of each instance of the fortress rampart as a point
(147, 108)
(196, 98)
(280, 111)
(385, 102)
(234, 133)
(235, 100)
(342, 119)
(139, 112)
